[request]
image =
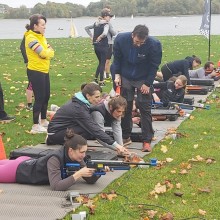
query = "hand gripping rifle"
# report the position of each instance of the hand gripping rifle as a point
(99, 165)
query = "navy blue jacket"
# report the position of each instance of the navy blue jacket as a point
(136, 63)
(181, 66)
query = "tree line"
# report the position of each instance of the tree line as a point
(120, 8)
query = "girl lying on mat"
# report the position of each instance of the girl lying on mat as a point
(170, 91)
(49, 169)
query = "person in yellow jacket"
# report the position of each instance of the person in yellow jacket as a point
(39, 54)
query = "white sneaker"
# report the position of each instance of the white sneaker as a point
(45, 124)
(38, 129)
(54, 108)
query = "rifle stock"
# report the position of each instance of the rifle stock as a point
(99, 165)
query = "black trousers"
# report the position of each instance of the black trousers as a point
(41, 89)
(101, 53)
(2, 111)
(144, 104)
(167, 74)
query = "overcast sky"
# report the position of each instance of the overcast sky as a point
(32, 3)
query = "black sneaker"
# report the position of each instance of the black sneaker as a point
(7, 119)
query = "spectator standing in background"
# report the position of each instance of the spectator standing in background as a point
(39, 54)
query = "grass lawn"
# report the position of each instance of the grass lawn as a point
(195, 183)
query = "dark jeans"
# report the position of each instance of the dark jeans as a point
(2, 111)
(144, 105)
(101, 53)
(41, 89)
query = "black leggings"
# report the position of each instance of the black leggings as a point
(41, 88)
(167, 73)
(101, 53)
(2, 112)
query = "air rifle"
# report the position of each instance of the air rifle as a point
(99, 165)
(187, 106)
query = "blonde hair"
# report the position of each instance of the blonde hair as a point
(183, 79)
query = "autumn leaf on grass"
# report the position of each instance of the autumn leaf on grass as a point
(171, 131)
(92, 210)
(166, 216)
(169, 160)
(197, 159)
(187, 166)
(159, 189)
(202, 212)
(151, 213)
(163, 148)
(183, 172)
(191, 117)
(184, 202)
(195, 146)
(108, 196)
(179, 194)
(210, 160)
(205, 190)
(168, 184)
(178, 185)
(83, 199)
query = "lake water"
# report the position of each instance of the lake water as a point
(158, 26)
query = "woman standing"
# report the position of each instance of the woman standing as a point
(100, 42)
(50, 169)
(39, 53)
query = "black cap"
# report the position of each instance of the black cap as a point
(106, 13)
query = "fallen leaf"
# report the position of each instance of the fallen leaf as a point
(173, 171)
(202, 212)
(166, 216)
(184, 202)
(163, 148)
(195, 146)
(178, 185)
(179, 194)
(191, 117)
(169, 160)
(183, 172)
(210, 161)
(151, 213)
(199, 158)
(160, 188)
(206, 190)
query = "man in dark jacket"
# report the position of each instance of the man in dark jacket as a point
(136, 60)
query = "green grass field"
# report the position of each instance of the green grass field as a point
(198, 182)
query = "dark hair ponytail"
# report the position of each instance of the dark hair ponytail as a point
(73, 140)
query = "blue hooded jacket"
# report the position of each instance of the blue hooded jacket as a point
(136, 63)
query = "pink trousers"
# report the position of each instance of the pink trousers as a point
(8, 169)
